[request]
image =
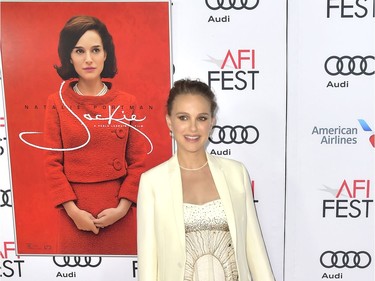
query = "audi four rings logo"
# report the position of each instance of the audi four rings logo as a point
(341, 259)
(5, 196)
(232, 4)
(347, 65)
(237, 134)
(77, 261)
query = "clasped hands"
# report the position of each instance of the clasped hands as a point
(87, 222)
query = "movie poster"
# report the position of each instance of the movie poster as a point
(67, 147)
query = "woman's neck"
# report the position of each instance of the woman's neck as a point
(90, 88)
(191, 160)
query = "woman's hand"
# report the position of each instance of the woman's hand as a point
(111, 215)
(82, 219)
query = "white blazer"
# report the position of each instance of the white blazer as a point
(161, 230)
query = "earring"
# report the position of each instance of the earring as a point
(211, 131)
(171, 133)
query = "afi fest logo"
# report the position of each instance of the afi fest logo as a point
(10, 264)
(367, 128)
(352, 200)
(351, 9)
(237, 71)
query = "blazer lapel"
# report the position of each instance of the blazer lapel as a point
(223, 190)
(177, 198)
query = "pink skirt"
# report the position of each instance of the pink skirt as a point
(116, 239)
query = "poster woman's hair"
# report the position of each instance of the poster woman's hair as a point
(69, 36)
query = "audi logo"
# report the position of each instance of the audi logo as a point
(2, 150)
(5, 197)
(232, 4)
(347, 65)
(77, 261)
(341, 259)
(237, 134)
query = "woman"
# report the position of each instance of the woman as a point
(96, 153)
(196, 216)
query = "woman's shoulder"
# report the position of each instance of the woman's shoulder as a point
(121, 94)
(158, 170)
(227, 162)
(229, 167)
(54, 98)
(65, 91)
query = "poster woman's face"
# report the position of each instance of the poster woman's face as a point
(88, 56)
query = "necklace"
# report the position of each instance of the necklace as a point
(193, 169)
(102, 92)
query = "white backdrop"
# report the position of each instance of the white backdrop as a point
(293, 79)
(330, 159)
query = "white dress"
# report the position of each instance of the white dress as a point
(209, 249)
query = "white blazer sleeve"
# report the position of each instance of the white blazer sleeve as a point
(147, 255)
(257, 257)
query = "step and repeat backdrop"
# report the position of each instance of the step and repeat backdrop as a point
(296, 92)
(330, 160)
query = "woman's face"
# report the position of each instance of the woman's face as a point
(88, 56)
(190, 122)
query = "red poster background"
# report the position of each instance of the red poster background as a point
(29, 38)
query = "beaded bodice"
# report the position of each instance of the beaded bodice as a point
(209, 249)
